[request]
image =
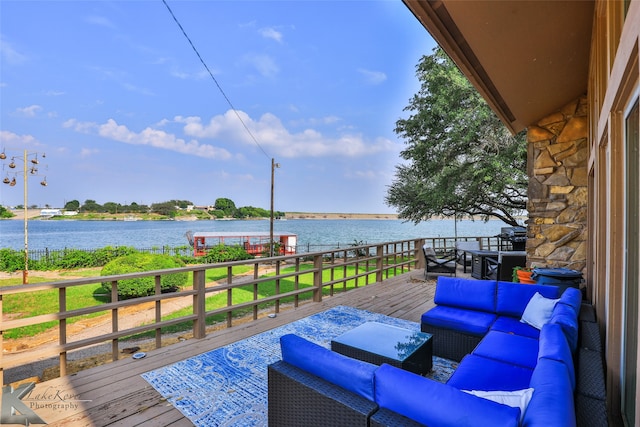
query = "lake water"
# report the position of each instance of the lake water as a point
(46, 234)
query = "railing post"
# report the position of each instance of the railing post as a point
(379, 263)
(277, 303)
(199, 325)
(420, 261)
(158, 310)
(317, 278)
(62, 305)
(114, 320)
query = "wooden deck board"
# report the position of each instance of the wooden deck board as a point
(115, 394)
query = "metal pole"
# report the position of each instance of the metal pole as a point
(25, 272)
(273, 167)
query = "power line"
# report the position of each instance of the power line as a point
(215, 81)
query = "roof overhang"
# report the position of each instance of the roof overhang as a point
(526, 58)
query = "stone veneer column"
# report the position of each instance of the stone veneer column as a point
(557, 169)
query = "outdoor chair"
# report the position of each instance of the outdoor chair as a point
(438, 265)
(502, 268)
(463, 257)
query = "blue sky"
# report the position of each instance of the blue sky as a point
(125, 111)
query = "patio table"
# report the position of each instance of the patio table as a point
(379, 343)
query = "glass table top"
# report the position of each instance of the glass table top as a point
(385, 340)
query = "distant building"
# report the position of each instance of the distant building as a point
(50, 212)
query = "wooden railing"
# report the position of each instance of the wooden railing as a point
(333, 271)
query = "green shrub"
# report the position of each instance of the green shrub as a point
(11, 260)
(74, 258)
(143, 286)
(104, 255)
(224, 253)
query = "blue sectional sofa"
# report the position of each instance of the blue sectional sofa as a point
(466, 310)
(516, 374)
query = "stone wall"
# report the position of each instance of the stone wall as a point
(557, 169)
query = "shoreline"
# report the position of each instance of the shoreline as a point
(34, 214)
(334, 215)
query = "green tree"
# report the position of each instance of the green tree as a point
(182, 204)
(91, 206)
(226, 205)
(73, 205)
(460, 159)
(165, 208)
(5, 213)
(112, 207)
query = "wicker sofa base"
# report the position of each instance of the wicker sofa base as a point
(387, 418)
(291, 389)
(450, 344)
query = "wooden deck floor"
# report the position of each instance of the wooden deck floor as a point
(116, 395)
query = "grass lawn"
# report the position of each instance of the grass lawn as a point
(45, 302)
(245, 294)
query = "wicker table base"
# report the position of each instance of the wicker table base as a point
(378, 343)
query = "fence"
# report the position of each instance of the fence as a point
(441, 245)
(269, 282)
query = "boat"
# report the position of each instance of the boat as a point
(254, 242)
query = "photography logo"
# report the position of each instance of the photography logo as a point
(14, 410)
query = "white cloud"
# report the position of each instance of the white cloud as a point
(182, 75)
(151, 137)
(29, 111)
(54, 93)
(265, 65)
(10, 55)
(137, 89)
(88, 152)
(82, 127)
(271, 33)
(373, 77)
(271, 134)
(366, 174)
(10, 138)
(100, 21)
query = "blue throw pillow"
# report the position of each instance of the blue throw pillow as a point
(538, 311)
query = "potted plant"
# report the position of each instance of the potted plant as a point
(523, 275)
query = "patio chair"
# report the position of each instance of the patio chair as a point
(434, 264)
(502, 268)
(463, 256)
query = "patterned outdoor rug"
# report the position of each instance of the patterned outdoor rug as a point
(228, 386)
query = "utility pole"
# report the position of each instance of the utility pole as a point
(274, 165)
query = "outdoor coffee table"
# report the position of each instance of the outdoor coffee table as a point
(379, 343)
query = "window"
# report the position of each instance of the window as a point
(632, 192)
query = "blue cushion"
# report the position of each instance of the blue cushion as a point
(459, 319)
(480, 373)
(564, 316)
(434, 404)
(573, 298)
(515, 349)
(552, 401)
(515, 326)
(553, 345)
(466, 293)
(343, 371)
(513, 297)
